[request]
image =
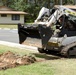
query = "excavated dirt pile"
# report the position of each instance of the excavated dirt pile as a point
(11, 60)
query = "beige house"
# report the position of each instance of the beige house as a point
(9, 16)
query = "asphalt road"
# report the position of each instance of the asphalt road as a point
(10, 38)
(10, 35)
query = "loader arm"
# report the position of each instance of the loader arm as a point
(43, 11)
(46, 31)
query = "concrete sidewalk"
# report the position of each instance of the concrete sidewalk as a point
(10, 44)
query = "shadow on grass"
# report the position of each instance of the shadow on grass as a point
(46, 56)
(51, 56)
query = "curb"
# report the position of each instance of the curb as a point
(10, 44)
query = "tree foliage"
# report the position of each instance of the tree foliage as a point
(32, 6)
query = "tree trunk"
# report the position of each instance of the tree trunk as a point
(56, 2)
(48, 3)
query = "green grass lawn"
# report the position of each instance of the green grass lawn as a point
(48, 64)
(9, 26)
(38, 68)
(14, 26)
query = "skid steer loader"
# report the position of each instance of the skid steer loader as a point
(53, 30)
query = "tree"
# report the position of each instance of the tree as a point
(33, 8)
(5, 2)
(68, 2)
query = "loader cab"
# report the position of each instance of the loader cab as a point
(69, 26)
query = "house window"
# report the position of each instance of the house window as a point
(3, 15)
(15, 17)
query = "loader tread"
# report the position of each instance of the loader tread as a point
(69, 50)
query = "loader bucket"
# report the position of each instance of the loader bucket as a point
(34, 35)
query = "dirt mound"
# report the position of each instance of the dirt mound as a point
(9, 60)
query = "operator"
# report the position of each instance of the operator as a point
(56, 28)
(67, 24)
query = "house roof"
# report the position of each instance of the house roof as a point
(13, 12)
(6, 10)
(68, 6)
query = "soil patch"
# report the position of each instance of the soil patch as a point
(11, 60)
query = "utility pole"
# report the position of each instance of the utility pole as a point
(61, 2)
